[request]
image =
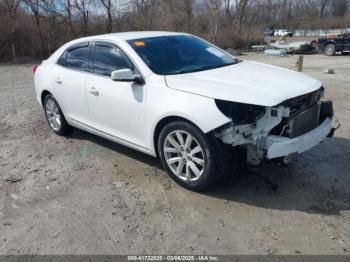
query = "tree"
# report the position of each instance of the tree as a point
(240, 11)
(340, 7)
(82, 8)
(37, 27)
(188, 9)
(10, 7)
(323, 4)
(108, 6)
(34, 6)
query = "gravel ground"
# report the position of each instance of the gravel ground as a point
(85, 195)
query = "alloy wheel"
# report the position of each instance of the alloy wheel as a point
(53, 115)
(184, 155)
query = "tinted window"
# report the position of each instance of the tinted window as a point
(107, 59)
(78, 58)
(178, 54)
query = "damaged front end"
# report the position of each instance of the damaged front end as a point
(291, 127)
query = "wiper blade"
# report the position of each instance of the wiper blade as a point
(216, 66)
(202, 68)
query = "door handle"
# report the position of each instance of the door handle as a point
(58, 81)
(94, 91)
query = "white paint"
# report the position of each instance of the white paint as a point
(128, 113)
(247, 82)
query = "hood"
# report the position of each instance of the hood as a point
(246, 82)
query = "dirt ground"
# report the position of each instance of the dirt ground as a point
(85, 195)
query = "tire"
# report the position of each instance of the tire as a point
(54, 116)
(188, 157)
(329, 49)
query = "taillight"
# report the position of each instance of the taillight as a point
(35, 68)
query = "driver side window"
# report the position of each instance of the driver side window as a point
(107, 58)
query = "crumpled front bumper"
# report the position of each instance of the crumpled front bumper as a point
(277, 146)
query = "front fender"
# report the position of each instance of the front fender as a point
(201, 111)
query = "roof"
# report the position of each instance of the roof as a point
(138, 34)
(124, 36)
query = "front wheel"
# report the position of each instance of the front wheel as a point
(188, 155)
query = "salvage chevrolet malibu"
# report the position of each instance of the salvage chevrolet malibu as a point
(177, 97)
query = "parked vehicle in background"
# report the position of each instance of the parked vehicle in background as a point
(283, 32)
(300, 47)
(269, 32)
(180, 98)
(331, 45)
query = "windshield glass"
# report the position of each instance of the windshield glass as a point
(179, 54)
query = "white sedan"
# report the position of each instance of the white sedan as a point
(178, 97)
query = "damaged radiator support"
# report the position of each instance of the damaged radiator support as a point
(252, 135)
(280, 125)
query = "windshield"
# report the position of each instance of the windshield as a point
(180, 54)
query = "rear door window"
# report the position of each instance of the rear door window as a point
(78, 58)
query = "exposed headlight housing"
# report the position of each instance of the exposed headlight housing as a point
(240, 113)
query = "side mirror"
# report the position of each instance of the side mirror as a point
(126, 75)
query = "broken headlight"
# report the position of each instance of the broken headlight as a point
(240, 113)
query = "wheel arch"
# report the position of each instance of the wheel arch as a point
(163, 122)
(330, 42)
(44, 93)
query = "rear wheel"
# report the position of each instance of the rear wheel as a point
(54, 116)
(313, 44)
(329, 49)
(188, 155)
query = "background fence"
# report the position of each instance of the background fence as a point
(320, 32)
